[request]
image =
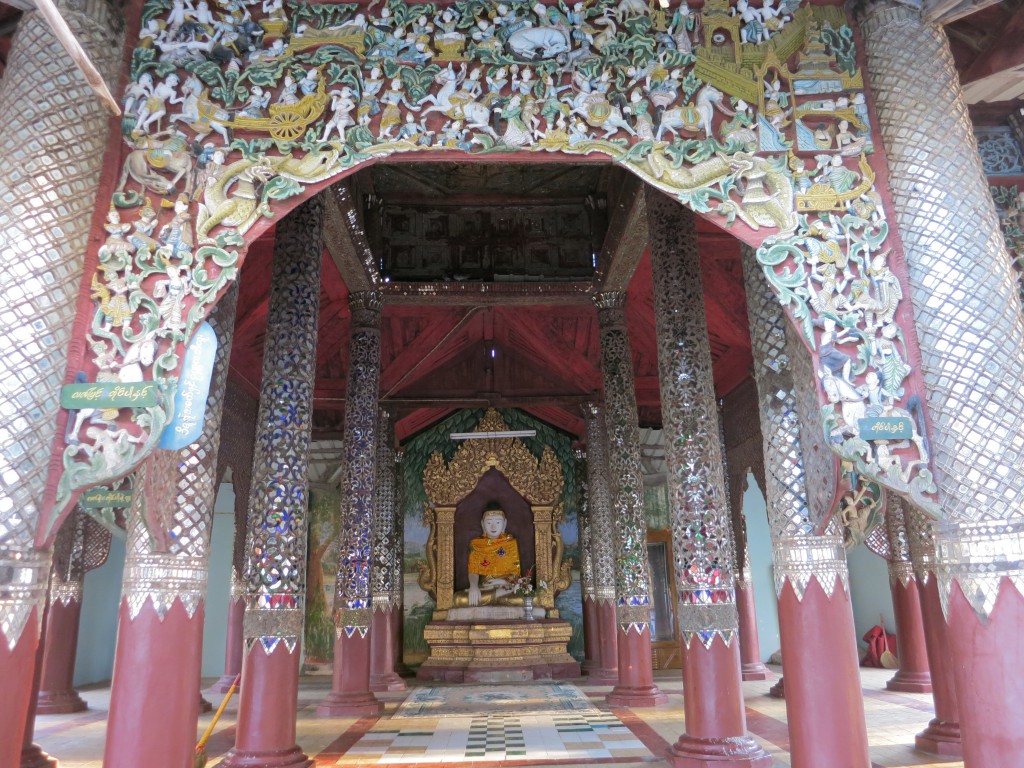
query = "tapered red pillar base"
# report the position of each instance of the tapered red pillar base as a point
(750, 647)
(382, 653)
(824, 704)
(940, 738)
(355, 704)
(351, 696)
(913, 675)
(60, 703)
(233, 646)
(910, 682)
(33, 756)
(742, 752)
(57, 695)
(989, 684)
(755, 671)
(267, 706)
(635, 687)
(716, 724)
(778, 691)
(285, 758)
(223, 685)
(606, 671)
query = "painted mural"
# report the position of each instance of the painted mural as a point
(416, 453)
(755, 116)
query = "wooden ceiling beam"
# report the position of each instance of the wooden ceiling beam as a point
(948, 11)
(427, 351)
(488, 400)
(1003, 52)
(472, 294)
(346, 241)
(626, 240)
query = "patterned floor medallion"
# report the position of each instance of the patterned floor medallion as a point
(494, 700)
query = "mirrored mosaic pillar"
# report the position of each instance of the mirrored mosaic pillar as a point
(82, 544)
(350, 695)
(942, 736)
(398, 563)
(635, 687)
(275, 570)
(45, 104)
(154, 708)
(824, 706)
(238, 425)
(912, 675)
(967, 311)
(602, 546)
(383, 570)
(716, 724)
(591, 644)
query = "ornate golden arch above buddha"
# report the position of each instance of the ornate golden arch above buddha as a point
(538, 481)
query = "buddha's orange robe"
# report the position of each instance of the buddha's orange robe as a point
(495, 557)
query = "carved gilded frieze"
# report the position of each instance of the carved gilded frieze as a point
(762, 123)
(539, 481)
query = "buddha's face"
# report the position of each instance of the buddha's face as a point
(493, 524)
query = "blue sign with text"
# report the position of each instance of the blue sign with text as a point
(193, 389)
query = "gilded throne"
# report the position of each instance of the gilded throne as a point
(528, 490)
(492, 642)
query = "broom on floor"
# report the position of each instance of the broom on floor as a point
(201, 758)
(888, 658)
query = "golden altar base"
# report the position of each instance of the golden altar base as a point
(498, 651)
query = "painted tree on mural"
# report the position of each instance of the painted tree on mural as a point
(323, 534)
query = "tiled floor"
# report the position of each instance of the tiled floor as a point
(619, 737)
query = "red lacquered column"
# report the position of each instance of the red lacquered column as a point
(386, 578)
(824, 705)
(716, 721)
(57, 695)
(22, 600)
(154, 707)
(752, 667)
(942, 736)
(32, 755)
(591, 640)
(350, 694)
(607, 671)
(986, 635)
(702, 527)
(913, 675)
(278, 500)
(267, 708)
(635, 686)
(234, 643)
(359, 556)
(382, 653)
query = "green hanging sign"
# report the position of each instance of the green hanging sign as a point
(142, 394)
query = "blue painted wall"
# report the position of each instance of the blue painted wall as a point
(97, 634)
(760, 546)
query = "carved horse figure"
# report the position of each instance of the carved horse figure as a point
(600, 113)
(153, 154)
(475, 114)
(697, 116)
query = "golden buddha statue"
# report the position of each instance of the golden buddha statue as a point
(493, 564)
